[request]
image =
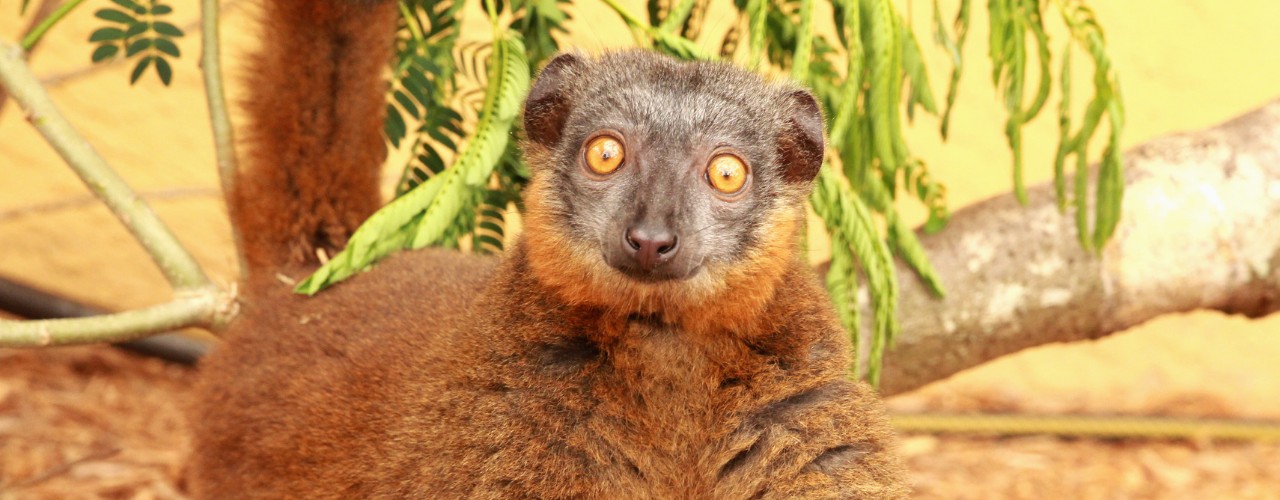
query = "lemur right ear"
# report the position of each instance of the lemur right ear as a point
(547, 106)
(801, 143)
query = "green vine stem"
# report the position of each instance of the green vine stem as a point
(206, 307)
(175, 262)
(677, 16)
(224, 141)
(34, 36)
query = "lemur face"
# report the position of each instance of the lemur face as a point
(666, 170)
(660, 203)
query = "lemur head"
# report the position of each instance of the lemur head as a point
(659, 182)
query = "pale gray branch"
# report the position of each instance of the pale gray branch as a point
(43, 12)
(207, 307)
(224, 143)
(174, 261)
(1200, 229)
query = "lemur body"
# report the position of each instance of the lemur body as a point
(655, 332)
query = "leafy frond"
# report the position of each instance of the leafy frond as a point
(913, 65)
(667, 42)
(1011, 22)
(138, 32)
(422, 85)
(853, 234)
(954, 47)
(757, 15)
(441, 208)
(1106, 101)
(537, 21)
(674, 20)
(804, 42)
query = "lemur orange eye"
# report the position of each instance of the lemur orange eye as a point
(604, 154)
(727, 173)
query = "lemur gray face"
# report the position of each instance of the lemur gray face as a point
(668, 167)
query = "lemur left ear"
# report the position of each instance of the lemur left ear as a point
(547, 106)
(800, 145)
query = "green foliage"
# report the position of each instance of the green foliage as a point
(1106, 100)
(954, 47)
(422, 85)
(665, 39)
(443, 208)
(459, 182)
(854, 236)
(538, 21)
(138, 30)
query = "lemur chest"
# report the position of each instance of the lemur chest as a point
(666, 405)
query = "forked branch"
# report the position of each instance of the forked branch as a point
(197, 301)
(207, 307)
(174, 261)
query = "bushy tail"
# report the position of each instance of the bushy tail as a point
(309, 175)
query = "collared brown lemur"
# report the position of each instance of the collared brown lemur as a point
(655, 332)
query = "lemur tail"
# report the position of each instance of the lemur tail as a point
(315, 106)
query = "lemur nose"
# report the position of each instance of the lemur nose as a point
(650, 248)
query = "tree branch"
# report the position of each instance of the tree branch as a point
(206, 307)
(174, 261)
(224, 143)
(38, 30)
(1200, 229)
(30, 303)
(46, 8)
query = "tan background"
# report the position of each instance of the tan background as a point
(1184, 64)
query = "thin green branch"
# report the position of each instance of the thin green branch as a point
(177, 265)
(679, 45)
(678, 15)
(626, 15)
(411, 23)
(43, 12)
(756, 16)
(223, 140)
(34, 36)
(206, 307)
(492, 8)
(804, 43)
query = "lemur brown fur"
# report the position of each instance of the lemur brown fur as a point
(314, 135)
(550, 374)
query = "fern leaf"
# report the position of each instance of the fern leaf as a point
(956, 49)
(913, 64)
(1064, 131)
(804, 43)
(842, 286)
(677, 16)
(879, 41)
(429, 212)
(850, 30)
(845, 215)
(508, 82)
(756, 15)
(669, 42)
(908, 247)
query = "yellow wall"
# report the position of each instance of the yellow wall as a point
(1184, 64)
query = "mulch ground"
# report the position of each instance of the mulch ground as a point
(89, 422)
(94, 422)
